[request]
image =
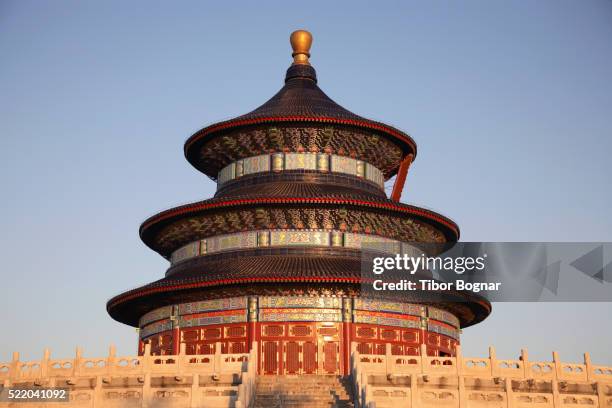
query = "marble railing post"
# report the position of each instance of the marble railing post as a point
(147, 392)
(388, 359)
(14, 370)
(555, 381)
(462, 395)
(589, 367)
(459, 359)
(195, 391)
(509, 393)
(525, 359)
(423, 353)
(146, 358)
(76, 364)
(98, 393)
(44, 364)
(364, 387)
(493, 362)
(111, 360)
(414, 391)
(601, 396)
(182, 358)
(217, 364)
(558, 366)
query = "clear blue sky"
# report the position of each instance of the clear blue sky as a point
(509, 102)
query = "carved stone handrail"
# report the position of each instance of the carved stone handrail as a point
(136, 379)
(112, 365)
(247, 388)
(427, 369)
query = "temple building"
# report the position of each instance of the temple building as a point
(265, 304)
(274, 257)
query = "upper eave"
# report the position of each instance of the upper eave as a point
(300, 100)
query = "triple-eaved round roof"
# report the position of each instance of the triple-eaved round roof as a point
(296, 199)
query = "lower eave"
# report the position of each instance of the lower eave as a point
(174, 293)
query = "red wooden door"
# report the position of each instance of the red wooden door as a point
(330, 357)
(309, 357)
(292, 357)
(270, 357)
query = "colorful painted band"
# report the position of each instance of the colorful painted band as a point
(284, 238)
(322, 162)
(300, 308)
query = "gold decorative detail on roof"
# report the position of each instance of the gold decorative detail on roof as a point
(301, 40)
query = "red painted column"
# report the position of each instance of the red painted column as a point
(176, 340)
(176, 331)
(251, 321)
(423, 334)
(347, 318)
(140, 346)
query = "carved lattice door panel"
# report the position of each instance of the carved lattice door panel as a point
(331, 352)
(292, 357)
(309, 357)
(300, 357)
(270, 360)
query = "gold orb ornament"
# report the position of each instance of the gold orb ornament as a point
(301, 40)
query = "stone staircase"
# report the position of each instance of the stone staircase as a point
(304, 391)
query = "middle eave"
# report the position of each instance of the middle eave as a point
(154, 224)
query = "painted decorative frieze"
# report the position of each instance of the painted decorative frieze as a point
(385, 306)
(386, 320)
(232, 241)
(300, 315)
(256, 164)
(442, 329)
(285, 238)
(154, 315)
(206, 319)
(212, 305)
(301, 238)
(373, 174)
(298, 302)
(442, 316)
(360, 241)
(188, 251)
(155, 328)
(322, 162)
(300, 161)
(227, 173)
(343, 164)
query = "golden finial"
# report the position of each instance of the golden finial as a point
(301, 40)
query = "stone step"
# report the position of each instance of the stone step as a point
(297, 390)
(305, 404)
(337, 393)
(299, 398)
(292, 381)
(306, 395)
(310, 391)
(299, 377)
